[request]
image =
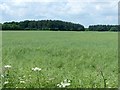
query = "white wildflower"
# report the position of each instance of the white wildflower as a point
(59, 85)
(65, 80)
(6, 82)
(36, 69)
(7, 66)
(69, 81)
(65, 83)
(2, 76)
(22, 82)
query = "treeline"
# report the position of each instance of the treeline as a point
(104, 28)
(53, 25)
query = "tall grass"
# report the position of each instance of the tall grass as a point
(87, 59)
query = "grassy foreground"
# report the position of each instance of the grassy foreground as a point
(60, 59)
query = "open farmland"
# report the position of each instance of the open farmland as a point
(45, 59)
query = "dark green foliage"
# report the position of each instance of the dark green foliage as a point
(55, 25)
(11, 26)
(114, 29)
(52, 25)
(104, 28)
(0, 26)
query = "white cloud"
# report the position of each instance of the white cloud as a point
(4, 8)
(85, 12)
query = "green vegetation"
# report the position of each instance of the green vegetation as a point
(45, 59)
(104, 28)
(54, 25)
(51, 25)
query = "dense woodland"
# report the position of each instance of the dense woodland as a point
(103, 28)
(54, 25)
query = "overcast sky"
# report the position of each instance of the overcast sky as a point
(85, 12)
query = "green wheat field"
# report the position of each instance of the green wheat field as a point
(49, 59)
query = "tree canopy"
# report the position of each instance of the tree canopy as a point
(104, 28)
(53, 25)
